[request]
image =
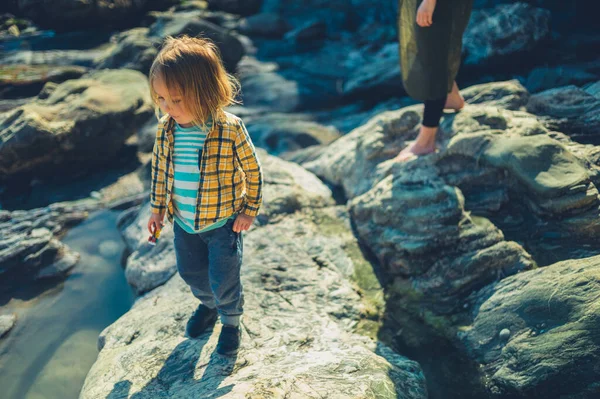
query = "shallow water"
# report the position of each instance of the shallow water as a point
(54, 343)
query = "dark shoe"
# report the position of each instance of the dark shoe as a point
(229, 340)
(201, 319)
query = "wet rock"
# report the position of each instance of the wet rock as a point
(29, 240)
(81, 122)
(7, 322)
(499, 34)
(552, 315)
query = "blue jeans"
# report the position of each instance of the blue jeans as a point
(210, 264)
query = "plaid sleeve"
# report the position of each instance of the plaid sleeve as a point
(246, 155)
(158, 197)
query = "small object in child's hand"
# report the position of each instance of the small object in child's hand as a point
(154, 237)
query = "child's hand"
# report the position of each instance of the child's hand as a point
(242, 222)
(425, 13)
(155, 221)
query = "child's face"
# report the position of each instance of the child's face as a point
(171, 102)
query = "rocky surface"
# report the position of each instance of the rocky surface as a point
(304, 276)
(7, 322)
(288, 189)
(419, 230)
(279, 133)
(79, 122)
(29, 240)
(507, 30)
(535, 334)
(572, 110)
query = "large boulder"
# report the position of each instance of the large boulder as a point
(137, 48)
(263, 87)
(287, 188)
(419, 230)
(535, 334)
(308, 292)
(506, 31)
(30, 240)
(82, 122)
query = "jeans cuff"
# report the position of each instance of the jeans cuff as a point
(231, 320)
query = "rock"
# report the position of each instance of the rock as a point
(11, 27)
(571, 110)
(263, 87)
(287, 189)
(137, 48)
(417, 227)
(504, 334)
(29, 240)
(380, 75)
(65, 15)
(356, 161)
(230, 45)
(7, 322)
(132, 49)
(242, 7)
(544, 78)
(506, 31)
(27, 81)
(298, 329)
(310, 31)
(279, 133)
(510, 95)
(70, 126)
(552, 315)
(264, 25)
(146, 135)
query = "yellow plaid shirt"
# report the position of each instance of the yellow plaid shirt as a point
(230, 172)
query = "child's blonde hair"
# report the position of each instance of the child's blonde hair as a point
(193, 67)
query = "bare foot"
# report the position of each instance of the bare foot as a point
(454, 100)
(413, 150)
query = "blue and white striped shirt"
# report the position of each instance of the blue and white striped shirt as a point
(188, 143)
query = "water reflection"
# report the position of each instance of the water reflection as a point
(54, 343)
